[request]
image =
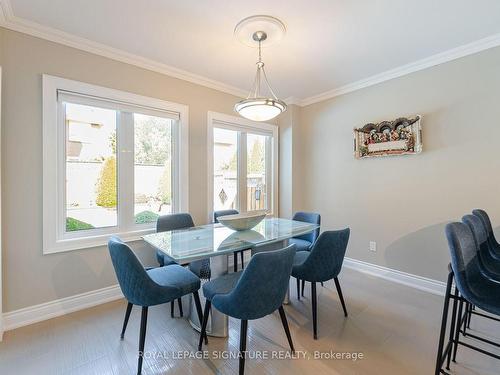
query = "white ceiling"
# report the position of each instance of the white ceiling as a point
(329, 43)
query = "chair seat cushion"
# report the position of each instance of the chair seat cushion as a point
(300, 245)
(221, 285)
(175, 276)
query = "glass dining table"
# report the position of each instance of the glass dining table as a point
(216, 242)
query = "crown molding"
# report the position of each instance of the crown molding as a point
(12, 22)
(428, 62)
(293, 100)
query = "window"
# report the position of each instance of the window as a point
(113, 162)
(242, 164)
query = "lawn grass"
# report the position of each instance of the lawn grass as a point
(74, 224)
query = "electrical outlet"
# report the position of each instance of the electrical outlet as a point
(373, 246)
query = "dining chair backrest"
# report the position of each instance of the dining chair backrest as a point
(136, 285)
(308, 217)
(464, 260)
(327, 255)
(261, 288)
(173, 222)
(169, 222)
(220, 213)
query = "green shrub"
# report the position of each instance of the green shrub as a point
(144, 217)
(106, 184)
(74, 224)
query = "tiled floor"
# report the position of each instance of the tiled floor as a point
(393, 326)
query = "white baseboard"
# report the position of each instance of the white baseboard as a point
(418, 282)
(52, 309)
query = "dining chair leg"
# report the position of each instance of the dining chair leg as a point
(172, 308)
(243, 345)
(179, 301)
(142, 338)
(125, 322)
(322, 283)
(242, 260)
(287, 329)
(314, 310)
(197, 303)
(235, 261)
(204, 324)
(303, 287)
(339, 291)
(298, 289)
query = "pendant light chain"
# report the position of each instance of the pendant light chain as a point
(261, 72)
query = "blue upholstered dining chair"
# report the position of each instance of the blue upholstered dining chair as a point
(170, 222)
(220, 213)
(322, 263)
(149, 287)
(494, 246)
(251, 294)
(305, 242)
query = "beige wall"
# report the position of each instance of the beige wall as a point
(29, 277)
(403, 202)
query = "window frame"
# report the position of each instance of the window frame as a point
(55, 238)
(223, 121)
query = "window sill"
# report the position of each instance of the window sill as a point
(72, 244)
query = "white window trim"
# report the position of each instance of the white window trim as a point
(218, 120)
(53, 161)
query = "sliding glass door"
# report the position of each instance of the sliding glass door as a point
(242, 167)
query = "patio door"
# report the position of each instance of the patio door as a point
(242, 165)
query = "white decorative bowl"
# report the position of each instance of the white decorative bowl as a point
(242, 221)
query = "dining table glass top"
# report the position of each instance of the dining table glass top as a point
(210, 240)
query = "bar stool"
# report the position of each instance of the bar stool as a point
(472, 287)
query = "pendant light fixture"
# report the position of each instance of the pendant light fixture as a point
(257, 106)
